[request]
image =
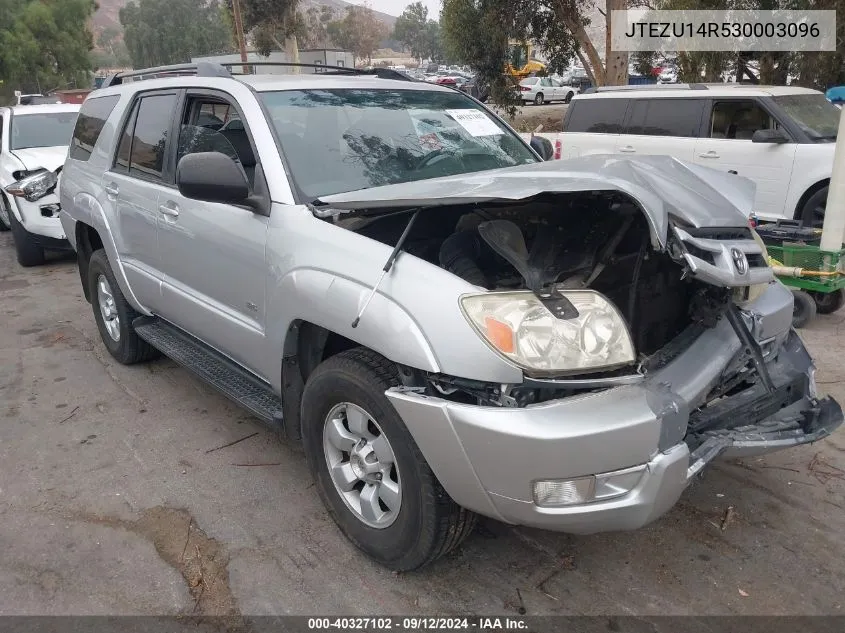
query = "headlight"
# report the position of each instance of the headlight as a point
(519, 327)
(35, 186)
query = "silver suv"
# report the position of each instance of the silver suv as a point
(385, 272)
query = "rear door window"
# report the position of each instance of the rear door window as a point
(90, 123)
(666, 117)
(601, 116)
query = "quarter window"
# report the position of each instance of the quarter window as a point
(90, 123)
(666, 117)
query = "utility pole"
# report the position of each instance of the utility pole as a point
(239, 32)
(833, 229)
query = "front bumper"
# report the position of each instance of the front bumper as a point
(489, 458)
(40, 220)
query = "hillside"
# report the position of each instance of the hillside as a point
(107, 15)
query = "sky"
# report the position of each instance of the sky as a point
(395, 7)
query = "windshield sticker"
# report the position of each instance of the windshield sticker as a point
(475, 122)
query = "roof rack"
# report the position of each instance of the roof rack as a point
(645, 87)
(215, 69)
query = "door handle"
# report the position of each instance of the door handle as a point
(627, 150)
(169, 209)
(112, 190)
(710, 154)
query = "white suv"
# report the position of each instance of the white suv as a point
(782, 138)
(33, 146)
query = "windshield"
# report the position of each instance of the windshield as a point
(343, 140)
(42, 130)
(814, 114)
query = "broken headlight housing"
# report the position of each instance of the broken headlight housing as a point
(519, 327)
(34, 185)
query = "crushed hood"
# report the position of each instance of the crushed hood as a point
(44, 157)
(661, 185)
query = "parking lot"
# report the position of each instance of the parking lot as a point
(128, 490)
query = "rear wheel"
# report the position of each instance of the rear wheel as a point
(29, 253)
(114, 315)
(538, 100)
(803, 308)
(829, 302)
(368, 470)
(812, 213)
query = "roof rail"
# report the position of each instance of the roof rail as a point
(645, 87)
(215, 69)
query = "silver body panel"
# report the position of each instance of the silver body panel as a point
(239, 281)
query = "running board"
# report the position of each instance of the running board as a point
(220, 372)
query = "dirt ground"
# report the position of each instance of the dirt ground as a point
(126, 490)
(529, 117)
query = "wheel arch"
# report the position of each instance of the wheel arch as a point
(306, 346)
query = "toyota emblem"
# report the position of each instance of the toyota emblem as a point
(740, 261)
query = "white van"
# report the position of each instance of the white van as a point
(781, 137)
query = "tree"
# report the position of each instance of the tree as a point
(411, 29)
(45, 45)
(359, 32)
(316, 31)
(478, 31)
(159, 32)
(273, 25)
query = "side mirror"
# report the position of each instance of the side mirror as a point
(212, 177)
(543, 147)
(769, 136)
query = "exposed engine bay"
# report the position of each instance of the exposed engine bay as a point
(584, 240)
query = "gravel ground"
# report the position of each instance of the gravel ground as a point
(113, 501)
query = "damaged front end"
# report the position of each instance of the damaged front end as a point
(666, 322)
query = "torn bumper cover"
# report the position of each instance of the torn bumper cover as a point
(644, 441)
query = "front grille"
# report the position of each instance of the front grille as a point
(727, 257)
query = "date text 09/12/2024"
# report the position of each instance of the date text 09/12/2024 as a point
(412, 623)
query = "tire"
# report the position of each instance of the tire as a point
(803, 309)
(812, 213)
(569, 96)
(5, 215)
(126, 348)
(28, 252)
(538, 100)
(828, 302)
(427, 523)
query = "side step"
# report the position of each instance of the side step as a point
(230, 379)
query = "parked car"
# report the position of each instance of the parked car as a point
(667, 76)
(449, 325)
(540, 90)
(782, 138)
(33, 146)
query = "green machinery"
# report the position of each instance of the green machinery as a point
(816, 276)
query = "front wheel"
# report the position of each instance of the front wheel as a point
(5, 214)
(29, 253)
(368, 470)
(569, 96)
